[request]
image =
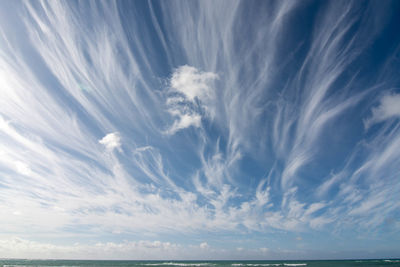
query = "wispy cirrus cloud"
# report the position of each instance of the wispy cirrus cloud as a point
(225, 127)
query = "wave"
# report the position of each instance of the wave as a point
(180, 264)
(19, 265)
(391, 260)
(269, 264)
(256, 264)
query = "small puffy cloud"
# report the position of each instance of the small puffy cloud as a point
(389, 107)
(111, 141)
(204, 245)
(190, 95)
(192, 83)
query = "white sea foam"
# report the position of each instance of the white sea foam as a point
(256, 264)
(18, 265)
(180, 264)
(295, 264)
(391, 260)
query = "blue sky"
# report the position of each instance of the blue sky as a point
(199, 129)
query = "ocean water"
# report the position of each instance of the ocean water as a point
(315, 263)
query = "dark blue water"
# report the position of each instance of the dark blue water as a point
(342, 263)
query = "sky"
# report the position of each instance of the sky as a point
(199, 129)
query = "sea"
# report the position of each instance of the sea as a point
(85, 263)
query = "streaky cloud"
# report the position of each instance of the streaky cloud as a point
(197, 126)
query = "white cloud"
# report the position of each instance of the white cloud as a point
(193, 83)
(73, 184)
(17, 213)
(195, 94)
(314, 207)
(320, 222)
(22, 248)
(23, 168)
(389, 107)
(204, 245)
(143, 148)
(111, 141)
(168, 252)
(184, 121)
